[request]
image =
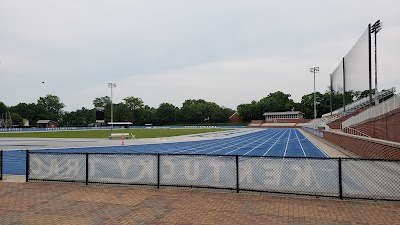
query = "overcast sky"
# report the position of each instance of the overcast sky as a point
(224, 51)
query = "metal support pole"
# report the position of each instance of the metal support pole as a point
(376, 74)
(330, 96)
(27, 166)
(112, 85)
(344, 86)
(315, 70)
(87, 168)
(158, 170)
(340, 179)
(315, 100)
(1, 164)
(370, 65)
(237, 174)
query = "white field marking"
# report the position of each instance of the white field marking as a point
(274, 143)
(218, 143)
(274, 131)
(257, 138)
(262, 143)
(300, 144)
(287, 143)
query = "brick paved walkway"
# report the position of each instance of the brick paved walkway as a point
(46, 203)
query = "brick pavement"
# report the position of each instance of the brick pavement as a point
(52, 203)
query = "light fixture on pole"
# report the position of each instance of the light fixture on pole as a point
(375, 29)
(112, 85)
(314, 70)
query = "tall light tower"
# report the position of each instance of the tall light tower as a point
(112, 85)
(314, 70)
(375, 29)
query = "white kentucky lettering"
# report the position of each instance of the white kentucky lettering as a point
(147, 169)
(302, 174)
(92, 166)
(54, 167)
(124, 166)
(72, 167)
(216, 165)
(272, 173)
(35, 165)
(191, 169)
(246, 173)
(171, 168)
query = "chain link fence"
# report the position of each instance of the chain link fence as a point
(1, 164)
(332, 177)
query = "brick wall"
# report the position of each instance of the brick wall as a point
(235, 118)
(386, 127)
(364, 147)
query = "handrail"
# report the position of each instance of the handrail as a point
(363, 102)
(373, 112)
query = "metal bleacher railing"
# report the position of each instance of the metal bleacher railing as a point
(350, 108)
(373, 112)
(363, 102)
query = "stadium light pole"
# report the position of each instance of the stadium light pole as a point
(314, 70)
(375, 29)
(112, 85)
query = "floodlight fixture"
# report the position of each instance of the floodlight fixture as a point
(375, 29)
(112, 85)
(315, 70)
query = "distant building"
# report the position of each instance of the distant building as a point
(290, 115)
(46, 124)
(235, 118)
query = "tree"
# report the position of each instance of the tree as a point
(275, 102)
(249, 111)
(3, 108)
(166, 114)
(52, 106)
(133, 103)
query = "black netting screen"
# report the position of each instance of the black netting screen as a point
(371, 179)
(198, 171)
(291, 175)
(123, 168)
(57, 166)
(348, 178)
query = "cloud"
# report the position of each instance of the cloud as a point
(229, 52)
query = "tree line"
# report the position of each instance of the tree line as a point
(193, 111)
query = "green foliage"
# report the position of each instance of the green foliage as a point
(193, 111)
(3, 108)
(166, 114)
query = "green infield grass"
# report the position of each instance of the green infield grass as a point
(139, 133)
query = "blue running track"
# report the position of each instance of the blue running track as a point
(281, 142)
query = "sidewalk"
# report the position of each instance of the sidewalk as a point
(52, 203)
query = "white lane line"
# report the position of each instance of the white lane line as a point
(247, 143)
(238, 142)
(300, 143)
(274, 143)
(262, 143)
(222, 143)
(272, 132)
(322, 151)
(287, 142)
